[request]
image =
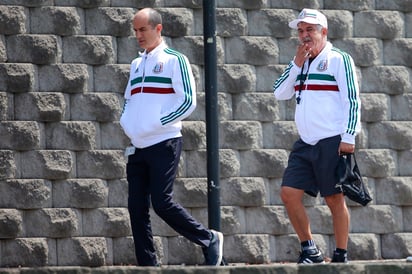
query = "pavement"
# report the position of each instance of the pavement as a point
(399, 266)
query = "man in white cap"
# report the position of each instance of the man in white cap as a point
(327, 115)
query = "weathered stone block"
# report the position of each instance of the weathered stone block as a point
(194, 135)
(395, 135)
(407, 220)
(229, 163)
(397, 245)
(24, 252)
(71, 135)
(236, 78)
(240, 135)
(63, 21)
(177, 22)
(123, 251)
(399, 56)
(111, 78)
(111, 222)
(320, 219)
(25, 193)
(266, 75)
(250, 248)
(193, 48)
(191, 192)
(83, 4)
(20, 135)
(13, 20)
(243, 191)
(394, 5)
(365, 52)
(112, 136)
(55, 223)
(3, 52)
(17, 77)
(11, 223)
(358, 5)
(280, 134)
(194, 4)
(253, 50)
(103, 164)
(363, 246)
(224, 107)
(67, 78)
(47, 107)
(377, 219)
(109, 21)
(102, 107)
(244, 4)
(199, 75)
(375, 107)
(189, 253)
(38, 49)
(195, 163)
(127, 50)
(263, 163)
(118, 193)
(270, 22)
(267, 220)
(273, 189)
(287, 50)
(394, 191)
(47, 164)
(80, 193)
(7, 164)
(88, 49)
(408, 28)
(82, 251)
(232, 220)
(404, 163)
(392, 80)
(378, 24)
(255, 106)
(361, 140)
(231, 22)
(31, 3)
(401, 106)
(340, 23)
(377, 163)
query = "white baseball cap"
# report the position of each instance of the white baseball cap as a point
(310, 16)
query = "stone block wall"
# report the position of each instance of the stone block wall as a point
(63, 68)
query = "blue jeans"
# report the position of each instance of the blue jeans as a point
(151, 173)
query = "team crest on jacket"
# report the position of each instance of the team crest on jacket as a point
(323, 65)
(158, 68)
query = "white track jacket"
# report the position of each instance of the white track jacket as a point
(330, 103)
(160, 93)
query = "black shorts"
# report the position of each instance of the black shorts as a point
(312, 167)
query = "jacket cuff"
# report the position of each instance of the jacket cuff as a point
(348, 138)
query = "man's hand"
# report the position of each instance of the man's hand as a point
(345, 148)
(303, 52)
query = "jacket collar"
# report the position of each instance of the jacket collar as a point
(157, 49)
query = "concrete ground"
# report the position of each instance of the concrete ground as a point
(403, 266)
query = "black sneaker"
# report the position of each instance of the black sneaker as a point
(339, 257)
(214, 252)
(311, 256)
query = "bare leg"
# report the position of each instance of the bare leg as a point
(292, 198)
(340, 216)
